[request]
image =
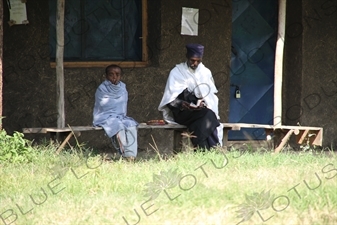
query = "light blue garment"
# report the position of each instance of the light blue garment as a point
(111, 107)
(128, 140)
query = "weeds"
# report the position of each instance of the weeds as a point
(15, 148)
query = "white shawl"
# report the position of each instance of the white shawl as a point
(200, 82)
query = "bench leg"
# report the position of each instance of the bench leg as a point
(53, 136)
(177, 141)
(225, 139)
(269, 139)
(64, 142)
(284, 141)
(57, 136)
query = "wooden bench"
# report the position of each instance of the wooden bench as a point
(282, 133)
(68, 132)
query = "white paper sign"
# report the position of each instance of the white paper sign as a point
(189, 21)
(17, 12)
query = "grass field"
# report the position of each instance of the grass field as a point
(190, 188)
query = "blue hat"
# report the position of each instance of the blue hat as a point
(195, 50)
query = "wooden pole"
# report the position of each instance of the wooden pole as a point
(144, 31)
(1, 49)
(278, 76)
(59, 63)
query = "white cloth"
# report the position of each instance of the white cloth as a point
(200, 82)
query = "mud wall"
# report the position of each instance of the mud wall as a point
(30, 82)
(310, 85)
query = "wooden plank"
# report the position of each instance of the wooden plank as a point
(91, 128)
(318, 139)
(59, 130)
(59, 63)
(236, 126)
(166, 126)
(299, 127)
(34, 130)
(227, 126)
(284, 141)
(301, 137)
(314, 137)
(76, 128)
(1, 55)
(278, 76)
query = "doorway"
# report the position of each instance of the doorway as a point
(254, 33)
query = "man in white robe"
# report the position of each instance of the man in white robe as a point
(187, 83)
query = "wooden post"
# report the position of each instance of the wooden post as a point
(1, 47)
(144, 31)
(59, 63)
(279, 64)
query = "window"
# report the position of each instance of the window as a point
(100, 32)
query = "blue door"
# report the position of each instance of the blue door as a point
(254, 32)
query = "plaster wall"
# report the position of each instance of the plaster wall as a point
(30, 82)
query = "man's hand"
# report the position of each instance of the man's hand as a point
(185, 106)
(202, 105)
(188, 106)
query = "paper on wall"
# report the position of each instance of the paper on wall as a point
(189, 21)
(17, 12)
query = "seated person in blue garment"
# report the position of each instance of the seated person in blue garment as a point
(110, 111)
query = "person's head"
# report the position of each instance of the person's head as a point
(113, 73)
(194, 55)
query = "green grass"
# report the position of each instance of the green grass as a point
(205, 188)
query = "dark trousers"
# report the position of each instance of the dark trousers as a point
(202, 123)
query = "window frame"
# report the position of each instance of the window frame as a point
(125, 64)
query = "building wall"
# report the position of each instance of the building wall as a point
(30, 82)
(309, 84)
(310, 87)
(292, 63)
